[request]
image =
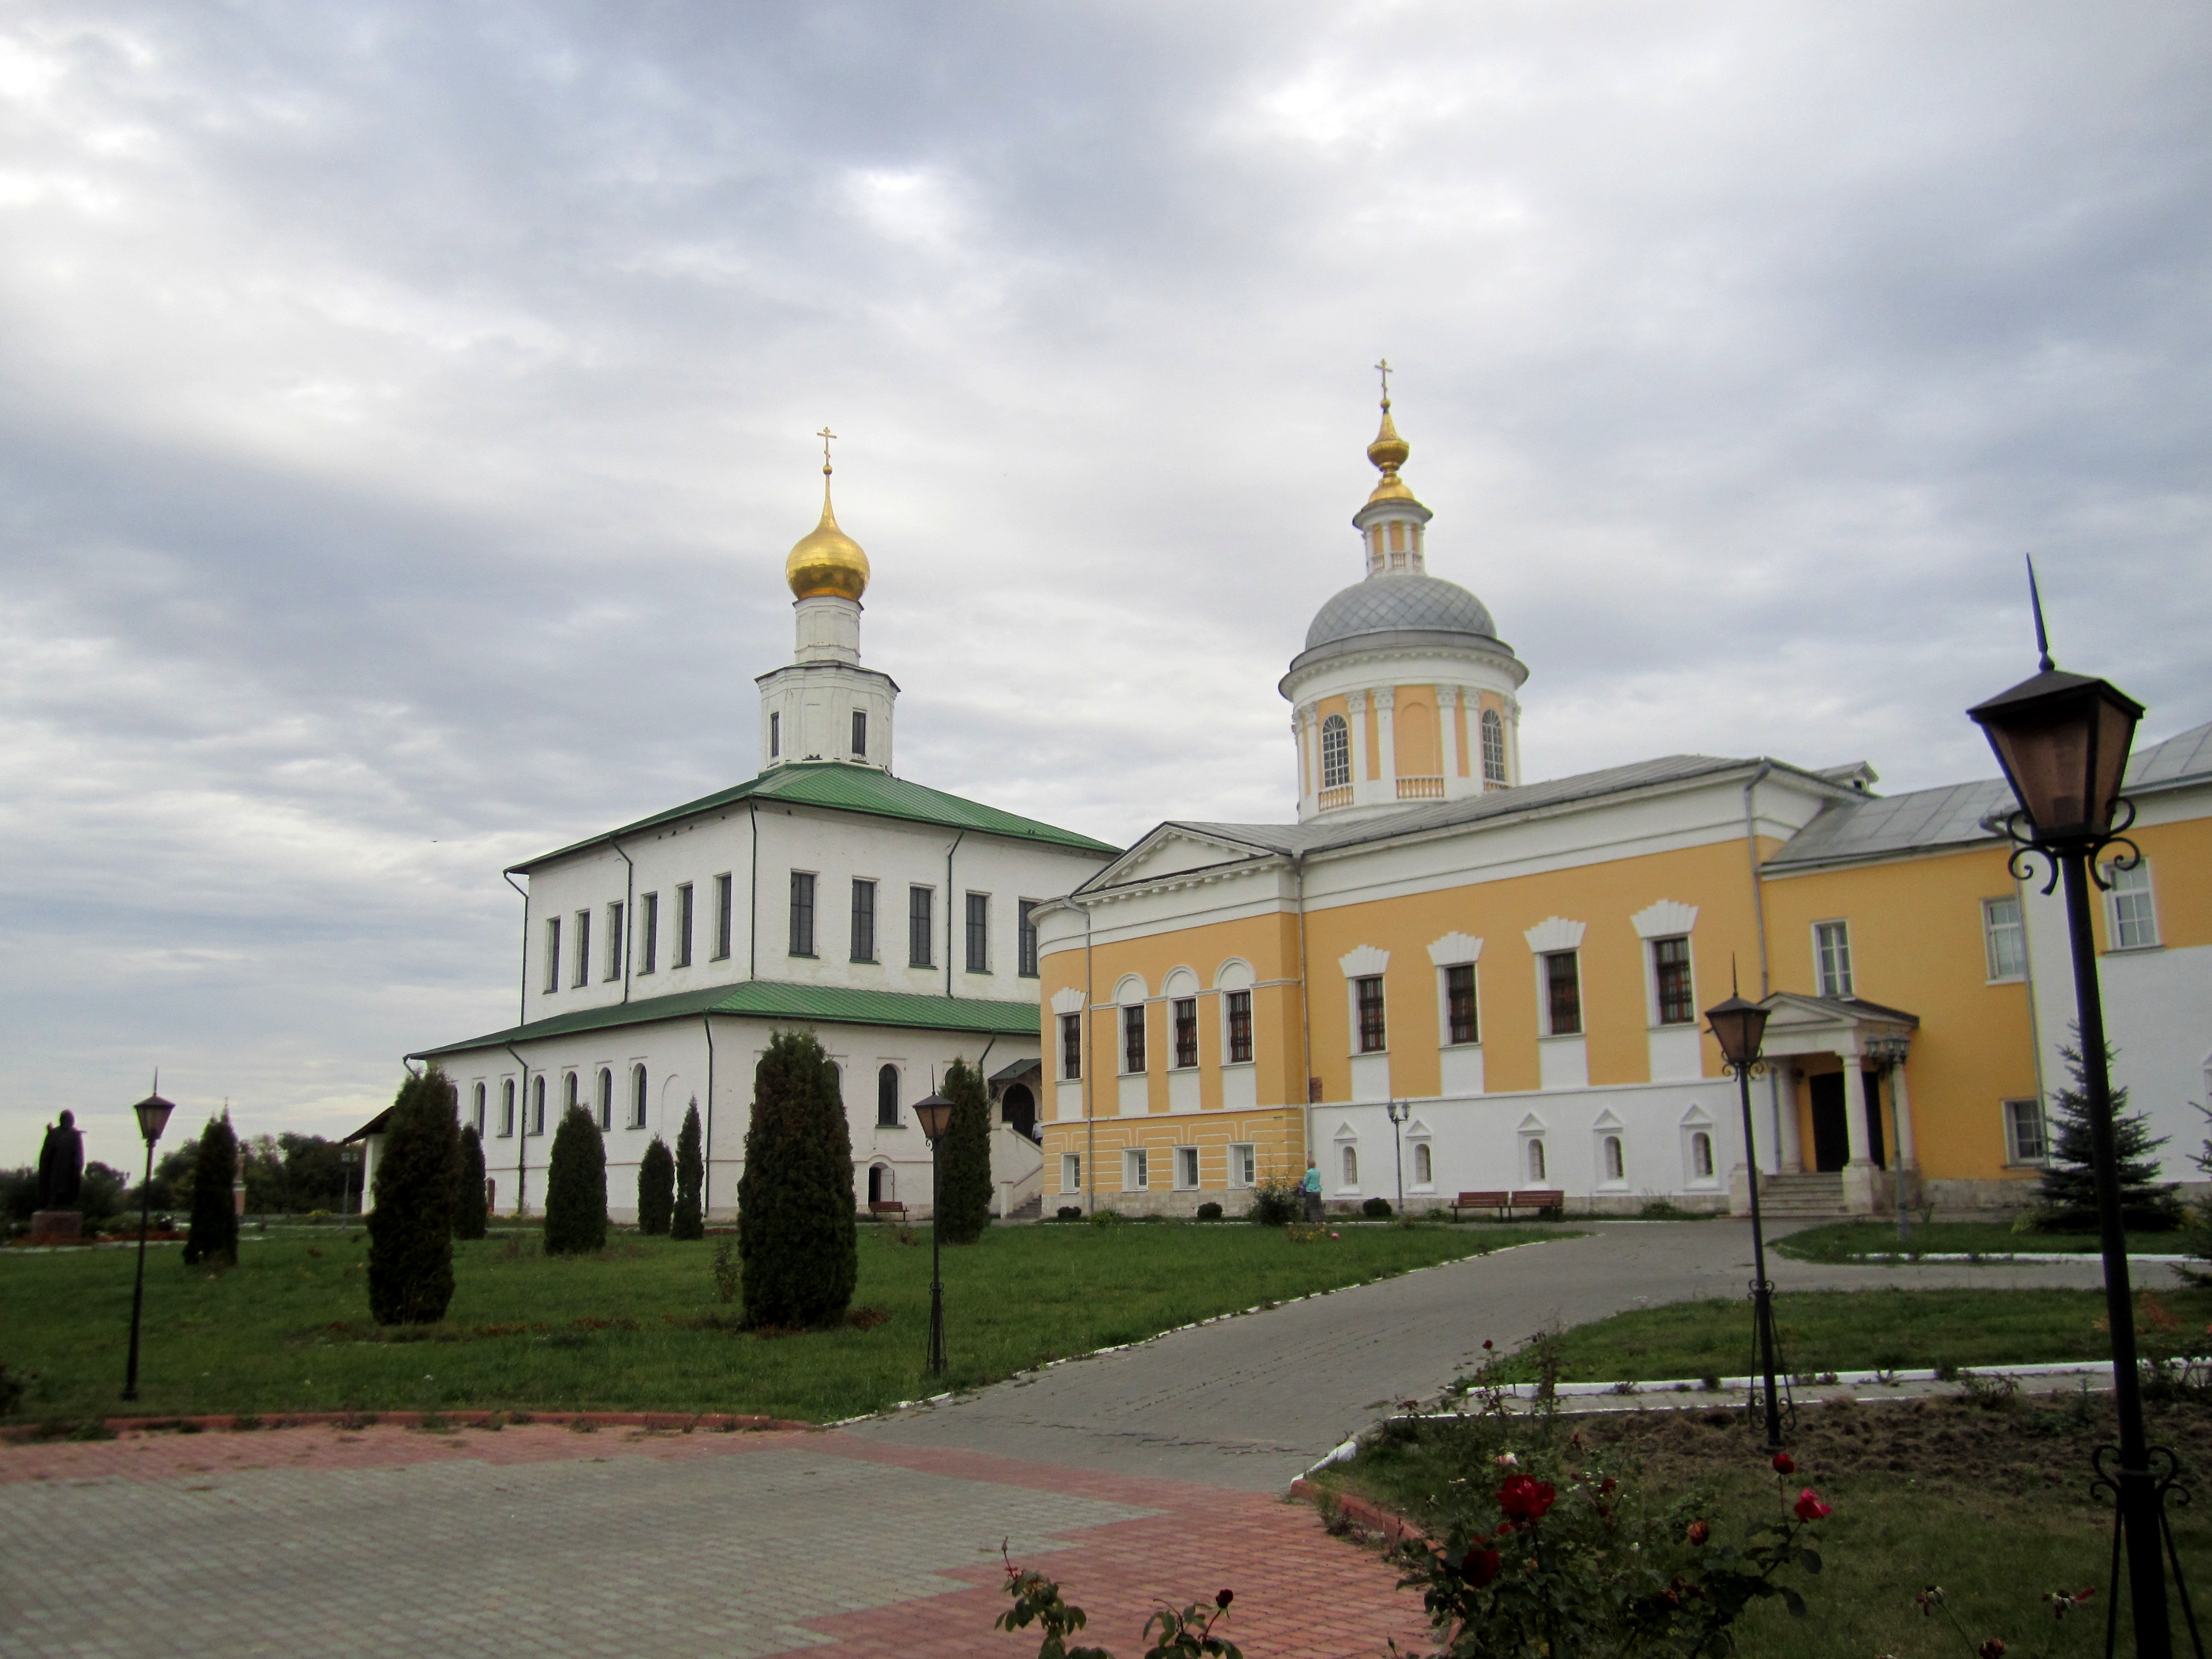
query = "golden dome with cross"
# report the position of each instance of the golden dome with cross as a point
(826, 561)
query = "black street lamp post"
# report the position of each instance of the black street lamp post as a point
(1739, 1027)
(2062, 740)
(935, 1113)
(153, 1118)
(1400, 1111)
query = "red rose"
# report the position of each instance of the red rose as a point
(1784, 1464)
(1810, 1508)
(1524, 1498)
(1223, 1598)
(1480, 1567)
(1992, 1649)
(1699, 1531)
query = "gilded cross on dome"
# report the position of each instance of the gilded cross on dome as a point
(826, 435)
(1384, 367)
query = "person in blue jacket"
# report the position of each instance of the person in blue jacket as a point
(1311, 1187)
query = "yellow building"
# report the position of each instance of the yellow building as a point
(1444, 979)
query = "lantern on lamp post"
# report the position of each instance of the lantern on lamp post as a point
(1739, 1027)
(153, 1113)
(2062, 740)
(934, 1112)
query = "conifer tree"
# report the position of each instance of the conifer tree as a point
(964, 1158)
(411, 1228)
(690, 1220)
(656, 1188)
(2067, 1196)
(471, 1211)
(576, 1187)
(797, 1243)
(214, 1235)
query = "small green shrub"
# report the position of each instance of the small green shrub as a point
(1068, 1213)
(1276, 1204)
(1209, 1211)
(576, 1188)
(726, 1271)
(656, 1188)
(1376, 1209)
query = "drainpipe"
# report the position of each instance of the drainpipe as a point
(1090, 1056)
(752, 905)
(1758, 918)
(1305, 1003)
(706, 1154)
(521, 1134)
(949, 852)
(522, 1017)
(629, 912)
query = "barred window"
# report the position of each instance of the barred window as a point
(1240, 1027)
(1133, 1038)
(1670, 966)
(1335, 753)
(1563, 993)
(1368, 994)
(1493, 747)
(1186, 1032)
(1071, 1046)
(1459, 1003)
(802, 914)
(979, 933)
(864, 922)
(919, 926)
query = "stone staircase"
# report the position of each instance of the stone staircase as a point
(1030, 1209)
(1789, 1197)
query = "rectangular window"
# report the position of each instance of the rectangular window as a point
(860, 734)
(507, 1107)
(649, 953)
(1369, 992)
(2004, 938)
(1243, 1165)
(802, 914)
(684, 909)
(2130, 920)
(1133, 1038)
(614, 963)
(1135, 1170)
(583, 971)
(1026, 938)
(1071, 1172)
(722, 918)
(979, 933)
(2027, 1140)
(1670, 968)
(1240, 1027)
(1186, 1167)
(1071, 1046)
(1459, 1003)
(553, 954)
(1186, 1032)
(1832, 953)
(919, 929)
(1563, 993)
(864, 922)
(775, 736)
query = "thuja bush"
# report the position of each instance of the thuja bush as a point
(576, 1187)
(962, 1198)
(656, 1188)
(690, 1219)
(411, 1228)
(797, 1243)
(214, 1235)
(1276, 1204)
(472, 1208)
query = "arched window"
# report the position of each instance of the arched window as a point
(1493, 747)
(1535, 1160)
(637, 1097)
(1351, 1166)
(1335, 753)
(476, 1115)
(1424, 1166)
(887, 1100)
(538, 1105)
(1616, 1162)
(507, 1107)
(1701, 1156)
(606, 1099)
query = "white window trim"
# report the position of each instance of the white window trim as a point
(1186, 1156)
(1352, 1015)
(1071, 1172)
(1850, 959)
(1415, 1183)
(1544, 1032)
(1651, 942)
(1238, 1150)
(1136, 1161)
(1988, 939)
(1443, 1004)
(2113, 872)
(2012, 1158)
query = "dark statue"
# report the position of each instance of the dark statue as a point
(61, 1165)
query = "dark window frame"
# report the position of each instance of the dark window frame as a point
(583, 947)
(976, 932)
(1563, 993)
(775, 736)
(650, 955)
(1026, 938)
(639, 1090)
(802, 914)
(725, 917)
(1070, 1047)
(920, 926)
(1373, 1033)
(1133, 1056)
(863, 940)
(1671, 978)
(887, 1096)
(1240, 1027)
(1184, 1011)
(861, 732)
(1462, 1008)
(685, 909)
(552, 955)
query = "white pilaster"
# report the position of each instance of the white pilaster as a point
(1386, 701)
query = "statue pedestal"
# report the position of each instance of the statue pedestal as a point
(58, 1227)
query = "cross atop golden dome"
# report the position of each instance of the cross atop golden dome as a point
(1388, 451)
(826, 560)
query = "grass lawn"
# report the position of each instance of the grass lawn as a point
(639, 1327)
(1860, 1330)
(1843, 1241)
(1992, 1504)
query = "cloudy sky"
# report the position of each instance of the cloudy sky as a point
(405, 410)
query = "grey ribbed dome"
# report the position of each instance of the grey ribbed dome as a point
(1393, 604)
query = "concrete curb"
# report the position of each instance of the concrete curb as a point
(1394, 1529)
(248, 1423)
(2095, 1368)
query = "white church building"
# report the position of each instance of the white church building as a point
(892, 921)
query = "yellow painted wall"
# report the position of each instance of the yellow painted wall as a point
(1276, 1139)
(1415, 731)
(1459, 735)
(1917, 945)
(1373, 749)
(2180, 857)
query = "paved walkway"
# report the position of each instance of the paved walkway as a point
(1252, 1402)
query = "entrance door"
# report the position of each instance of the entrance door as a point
(1019, 1108)
(1831, 1135)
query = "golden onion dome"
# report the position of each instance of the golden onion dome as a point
(826, 560)
(1388, 452)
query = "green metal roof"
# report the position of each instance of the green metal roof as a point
(769, 999)
(848, 788)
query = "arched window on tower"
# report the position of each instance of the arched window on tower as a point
(606, 1099)
(887, 1097)
(637, 1097)
(1493, 747)
(1335, 753)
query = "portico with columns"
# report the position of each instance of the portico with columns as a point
(1826, 1065)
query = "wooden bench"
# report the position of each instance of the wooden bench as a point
(886, 1206)
(1504, 1203)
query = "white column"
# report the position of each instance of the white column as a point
(1386, 700)
(1448, 741)
(1789, 1141)
(1355, 721)
(1908, 1154)
(1860, 1175)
